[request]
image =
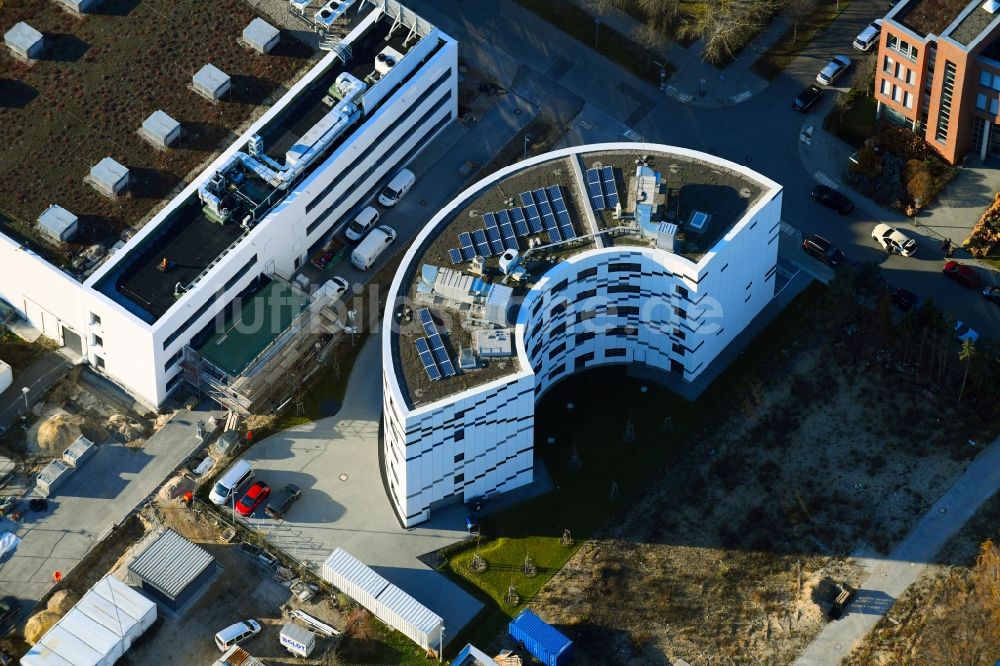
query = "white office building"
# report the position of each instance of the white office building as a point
(260, 209)
(602, 254)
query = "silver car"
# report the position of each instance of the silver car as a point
(833, 70)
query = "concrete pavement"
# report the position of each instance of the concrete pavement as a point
(343, 503)
(94, 499)
(889, 577)
(37, 377)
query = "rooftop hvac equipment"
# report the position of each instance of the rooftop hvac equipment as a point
(386, 60)
(467, 359)
(666, 236)
(79, 6)
(498, 304)
(79, 452)
(160, 129)
(98, 630)
(509, 261)
(261, 36)
(52, 476)
(109, 177)
(211, 82)
(991, 6)
(495, 344)
(331, 11)
(24, 41)
(58, 223)
(699, 220)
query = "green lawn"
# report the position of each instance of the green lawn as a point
(788, 47)
(604, 401)
(854, 122)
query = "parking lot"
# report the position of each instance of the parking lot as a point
(335, 463)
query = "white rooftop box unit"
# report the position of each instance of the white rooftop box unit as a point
(495, 344)
(386, 601)
(52, 476)
(6, 376)
(79, 452)
(211, 82)
(699, 220)
(160, 129)
(24, 41)
(666, 235)
(58, 223)
(498, 304)
(79, 6)
(261, 36)
(109, 177)
(98, 630)
(386, 60)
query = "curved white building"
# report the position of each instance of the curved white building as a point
(667, 278)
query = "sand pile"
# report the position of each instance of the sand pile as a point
(38, 625)
(61, 430)
(125, 429)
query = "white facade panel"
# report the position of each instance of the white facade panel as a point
(665, 311)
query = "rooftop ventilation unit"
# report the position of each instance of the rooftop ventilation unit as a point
(991, 6)
(699, 220)
(386, 60)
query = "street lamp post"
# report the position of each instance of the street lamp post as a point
(25, 391)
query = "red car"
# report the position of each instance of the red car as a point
(256, 494)
(962, 274)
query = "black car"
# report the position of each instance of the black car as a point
(824, 250)
(10, 610)
(831, 198)
(992, 294)
(280, 501)
(807, 98)
(905, 300)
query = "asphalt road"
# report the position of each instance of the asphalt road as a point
(762, 132)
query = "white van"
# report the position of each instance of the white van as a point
(371, 247)
(869, 36)
(360, 225)
(230, 482)
(397, 187)
(235, 634)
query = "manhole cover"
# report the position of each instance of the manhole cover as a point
(343, 477)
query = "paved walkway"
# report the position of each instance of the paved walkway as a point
(889, 577)
(37, 377)
(344, 503)
(95, 498)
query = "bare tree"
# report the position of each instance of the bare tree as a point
(798, 11)
(728, 25)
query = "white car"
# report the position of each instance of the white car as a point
(894, 241)
(359, 226)
(335, 287)
(869, 36)
(963, 332)
(833, 70)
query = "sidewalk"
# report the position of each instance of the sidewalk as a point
(37, 377)
(889, 577)
(699, 83)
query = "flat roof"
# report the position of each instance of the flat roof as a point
(105, 75)
(973, 24)
(195, 241)
(927, 17)
(687, 185)
(261, 320)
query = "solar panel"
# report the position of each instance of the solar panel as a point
(520, 223)
(490, 220)
(465, 240)
(610, 188)
(507, 229)
(496, 240)
(456, 256)
(441, 355)
(548, 217)
(594, 189)
(427, 321)
(482, 245)
(562, 214)
(468, 253)
(430, 367)
(531, 210)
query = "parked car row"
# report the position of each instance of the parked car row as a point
(837, 67)
(227, 488)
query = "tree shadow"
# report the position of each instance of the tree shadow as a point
(64, 47)
(15, 94)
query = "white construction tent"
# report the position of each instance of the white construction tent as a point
(385, 601)
(98, 630)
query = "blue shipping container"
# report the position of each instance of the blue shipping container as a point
(543, 642)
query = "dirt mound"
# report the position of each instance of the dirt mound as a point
(61, 430)
(175, 488)
(125, 429)
(62, 601)
(38, 625)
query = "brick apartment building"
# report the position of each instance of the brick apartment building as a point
(938, 73)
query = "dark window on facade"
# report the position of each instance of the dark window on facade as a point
(724, 268)
(583, 359)
(585, 315)
(190, 321)
(95, 320)
(460, 457)
(231, 282)
(679, 349)
(681, 291)
(558, 349)
(750, 285)
(624, 289)
(558, 370)
(583, 337)
(459, 435)
(173, 381)
(98, 341)
(680, 312)
(583, 275)
(459, 478)
(172, 361)
(620, 267)
(557, 309)
(558, 330)
(560, 286)
(584, 295)
(99, 360)
(677, 367)
(614, 353)
(679, 334)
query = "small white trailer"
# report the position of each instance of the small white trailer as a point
(297, 640)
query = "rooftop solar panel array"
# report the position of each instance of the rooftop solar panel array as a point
(430, 367)
(436, 344)
(601, 188)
